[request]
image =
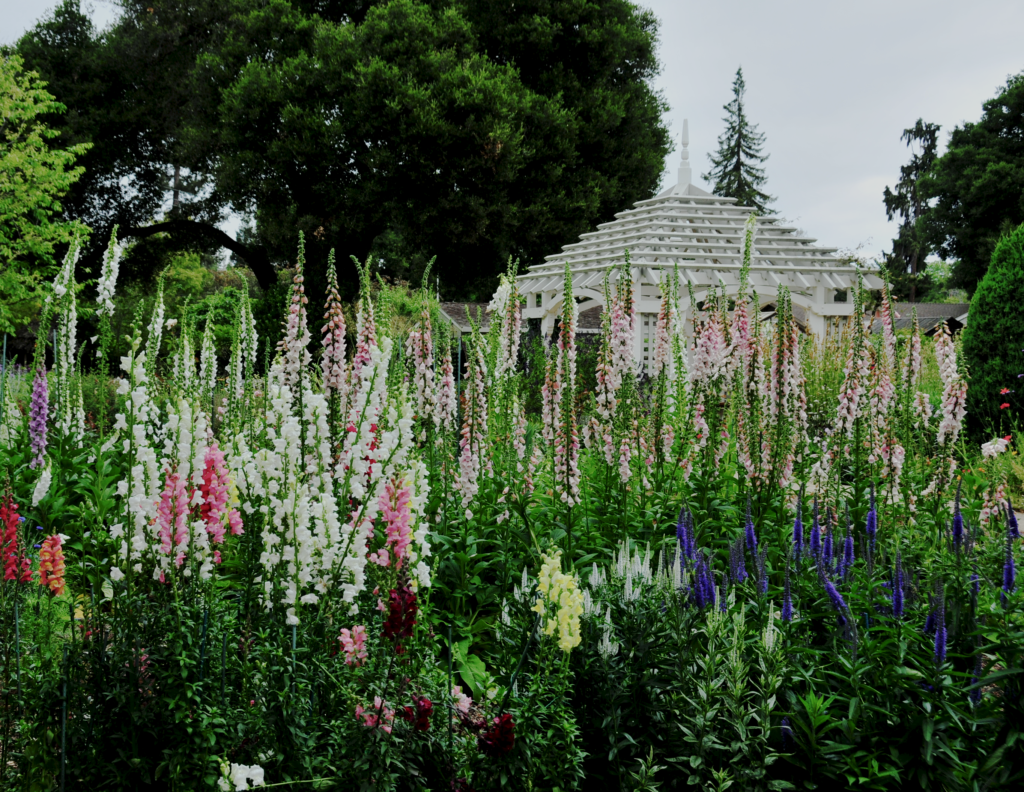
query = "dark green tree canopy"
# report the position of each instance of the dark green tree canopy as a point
(994, 339)
(977, 186)
(408, 128)
(910, 248)
(736, 168)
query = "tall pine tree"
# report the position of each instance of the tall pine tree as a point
(736, 170)
(910, 248)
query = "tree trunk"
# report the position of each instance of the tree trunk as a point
(255, 256)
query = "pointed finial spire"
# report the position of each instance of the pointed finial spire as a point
(685, 172)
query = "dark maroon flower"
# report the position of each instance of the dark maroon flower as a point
(497, 740)
(401, 614)
(419, 714)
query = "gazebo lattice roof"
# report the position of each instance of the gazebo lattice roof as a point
(703, 235)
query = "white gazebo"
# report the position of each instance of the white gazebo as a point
(702, 234)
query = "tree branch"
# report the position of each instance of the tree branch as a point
(255, 256)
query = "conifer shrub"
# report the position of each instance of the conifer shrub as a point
(994, 340)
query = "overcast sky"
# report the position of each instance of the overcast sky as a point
(831, 85)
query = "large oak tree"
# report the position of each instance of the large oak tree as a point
(464, 129)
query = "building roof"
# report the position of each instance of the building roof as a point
(929, 316)
(703, 235)
(458, 313)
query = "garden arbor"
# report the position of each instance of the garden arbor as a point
(702, 234)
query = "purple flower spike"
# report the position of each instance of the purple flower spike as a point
(837, 601)
(751, 536)
(940, 636)
(38, 411)
(815, 534)
(787, 735)
(787, 601)
(826, 548)
(798, 534)
(975, 695)
(704, 585)
(1009, 571)
(1011, 519)
(871, 524)
(762, 572)
(737, 562)
(897, 589)
(846, 562)
(940, 643)
(709, 584)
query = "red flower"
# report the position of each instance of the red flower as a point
(1004, 391)
(499, 739)
(1008, 438)
(14, 560)
(401, 614)
(1004, 405)
(420, 716)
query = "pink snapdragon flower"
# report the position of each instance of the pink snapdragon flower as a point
(172, 516)
(473, 459)
(215, 492)
(444, 408)
(353, 642)
(954, 390)
(333, 336)
(419, 347)
(461, 702)
(396, 509)
(380, 716)
(366, 334)
(294, 345)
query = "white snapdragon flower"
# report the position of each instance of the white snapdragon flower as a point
(42, 486)
(994, 447)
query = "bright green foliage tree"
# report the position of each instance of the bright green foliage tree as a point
(736, 168)
(976, 187)
(994, 339)
(33, 179)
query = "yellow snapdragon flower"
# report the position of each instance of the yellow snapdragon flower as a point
(560, 591)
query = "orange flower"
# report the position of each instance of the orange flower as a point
(51, 564)
(1004, 391)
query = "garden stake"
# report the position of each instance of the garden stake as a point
(17, 631)
(64, 722)
(3, 372)
(202, 645)
(223, 664)
(522, 658)
(451, 707)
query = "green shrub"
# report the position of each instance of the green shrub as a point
(994, 338)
